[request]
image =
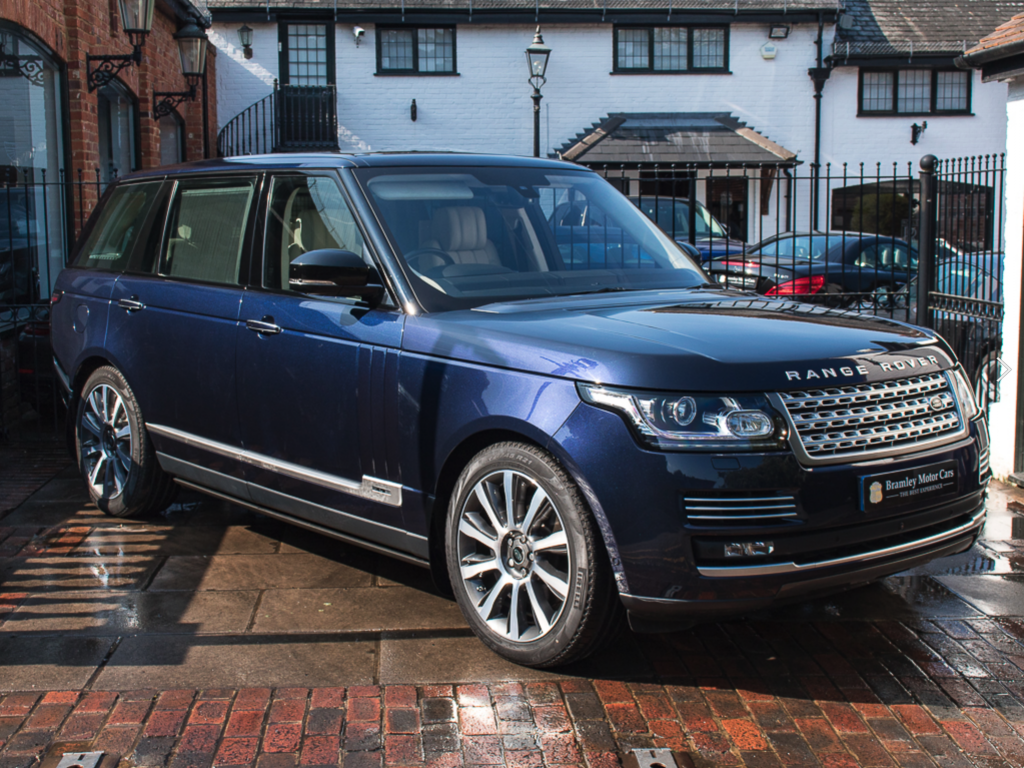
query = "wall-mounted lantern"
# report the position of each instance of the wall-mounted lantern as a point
(192, 43)
(245, 38)
(137, 21)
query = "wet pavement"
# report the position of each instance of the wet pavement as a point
(213, 636)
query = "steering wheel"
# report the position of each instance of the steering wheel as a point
(414, 257)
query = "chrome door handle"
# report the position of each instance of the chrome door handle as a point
(132, 305)
(265, 326)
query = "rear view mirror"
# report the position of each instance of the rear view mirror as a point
(334, 272)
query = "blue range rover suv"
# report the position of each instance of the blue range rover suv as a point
(398, 351)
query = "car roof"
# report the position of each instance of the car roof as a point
(320, 160)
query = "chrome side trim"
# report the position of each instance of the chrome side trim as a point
(773, 569)
(373, 488)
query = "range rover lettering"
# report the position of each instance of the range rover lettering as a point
(402, 351)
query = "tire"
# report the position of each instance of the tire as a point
(114, 454)
(537, 590)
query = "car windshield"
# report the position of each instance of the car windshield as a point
(473, 236)
(673, 216)
(801, 247)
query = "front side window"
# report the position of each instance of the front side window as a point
(207, 230)
(671, 49)
(423, 50)
(914, 92)
(471, 236)
(110, 243)
(306, 213)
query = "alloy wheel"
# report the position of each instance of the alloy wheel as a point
(106, 441)
(513, 556)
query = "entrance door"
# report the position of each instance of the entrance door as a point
(727, 201)
(307, 114)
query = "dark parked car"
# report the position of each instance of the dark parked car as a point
(840, 268)
(393, 350)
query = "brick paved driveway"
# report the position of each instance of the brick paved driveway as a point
(212, 636)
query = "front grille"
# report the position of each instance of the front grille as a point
(864, 420)
(739, 511)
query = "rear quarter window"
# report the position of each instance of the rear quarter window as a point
(110, 244)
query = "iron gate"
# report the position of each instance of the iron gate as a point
(851, 237)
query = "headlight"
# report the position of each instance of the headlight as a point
(703, 422)
(964, 394)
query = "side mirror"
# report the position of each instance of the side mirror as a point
(334, 272)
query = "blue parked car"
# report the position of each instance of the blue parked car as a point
(397, 351)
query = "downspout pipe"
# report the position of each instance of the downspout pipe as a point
(819, 75)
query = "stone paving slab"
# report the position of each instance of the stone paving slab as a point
(211, 636)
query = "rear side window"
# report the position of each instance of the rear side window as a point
(112, 240)
(207, 230)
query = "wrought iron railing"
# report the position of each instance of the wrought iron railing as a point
(293, 118)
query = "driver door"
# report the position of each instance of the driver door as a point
(317, 377)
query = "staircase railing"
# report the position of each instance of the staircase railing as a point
(294, 118)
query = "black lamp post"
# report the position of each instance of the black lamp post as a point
(137, 21)
(245, 38)
(192, 43)
(537, 57)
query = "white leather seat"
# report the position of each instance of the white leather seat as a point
(462, 233)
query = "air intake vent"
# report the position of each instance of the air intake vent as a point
(984, 469)
(739, 511)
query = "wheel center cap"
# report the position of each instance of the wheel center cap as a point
(517, 555)
(108, 439)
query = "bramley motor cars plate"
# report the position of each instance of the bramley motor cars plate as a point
(893, 489)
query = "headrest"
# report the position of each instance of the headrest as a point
(459, 229)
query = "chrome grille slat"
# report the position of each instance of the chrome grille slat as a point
(861, 420)
(751, 511)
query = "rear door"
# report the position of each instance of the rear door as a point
(172, 328)
(318, 378)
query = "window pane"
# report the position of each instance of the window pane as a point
(708, 48)
(915, 91)
(307, 43)
(111, 240)
(632, 50)
(306, 214)
(670, 48)
(951, 93)
(436, 50)
(207, 226)
(877, 94)
(396, 49)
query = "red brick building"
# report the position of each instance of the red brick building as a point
(61, 141)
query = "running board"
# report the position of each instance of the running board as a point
(379, 548)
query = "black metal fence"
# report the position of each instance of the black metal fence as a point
(293, 118)
(40, 217)
(849, 237)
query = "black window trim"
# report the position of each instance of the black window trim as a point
(893, 112)
(282, 40)
(650, 70)
(415, 72)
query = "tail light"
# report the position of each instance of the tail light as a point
(798, 287)
(55, 296)
(36, 329)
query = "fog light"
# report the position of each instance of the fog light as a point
(749, 548)
(749, 424)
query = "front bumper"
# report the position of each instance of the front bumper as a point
(668, 561)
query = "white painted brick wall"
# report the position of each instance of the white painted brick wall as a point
(1003, 417)
(488, 107)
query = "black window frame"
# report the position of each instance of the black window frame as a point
(650, 70)
(282, 56)
(415, 72)
(934, 86)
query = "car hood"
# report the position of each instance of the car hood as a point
(680, 340)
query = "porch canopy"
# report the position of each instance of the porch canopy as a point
(701, 139)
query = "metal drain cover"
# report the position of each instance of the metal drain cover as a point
(80, 760)
(650, 758)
